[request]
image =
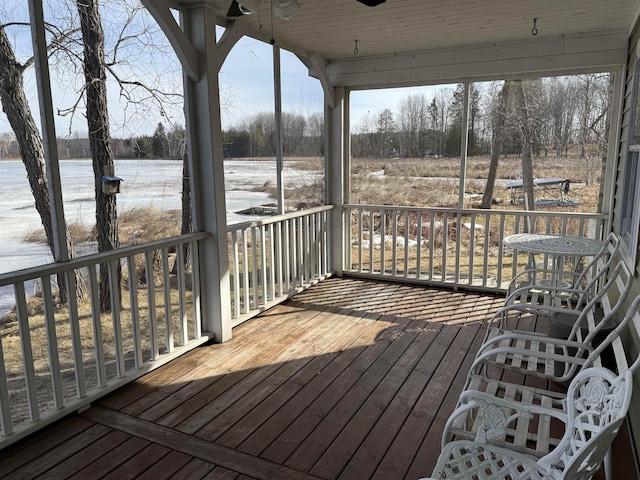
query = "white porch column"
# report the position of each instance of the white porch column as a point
(464, 143)
(60, 247)
(204, 130)
(337, 174)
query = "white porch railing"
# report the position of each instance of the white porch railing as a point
(54, 360)
(272, 259)
(444, 246)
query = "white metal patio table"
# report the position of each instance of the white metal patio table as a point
(556, 246)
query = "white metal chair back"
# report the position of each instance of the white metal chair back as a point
(599, 262)
(609, 297)
(597, 402)
(627, 329)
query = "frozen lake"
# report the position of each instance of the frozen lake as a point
(147, 183)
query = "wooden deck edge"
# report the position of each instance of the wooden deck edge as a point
(243, 463)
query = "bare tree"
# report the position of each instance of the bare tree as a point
(526, 130)
(99, 139)
(16, 107)
(413, 124)
(499, 116)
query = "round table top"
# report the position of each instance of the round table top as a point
(568, 245)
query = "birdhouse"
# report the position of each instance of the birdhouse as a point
(111, 185)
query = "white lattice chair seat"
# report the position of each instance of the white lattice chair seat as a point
(540, 355)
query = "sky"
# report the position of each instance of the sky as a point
(246, 79)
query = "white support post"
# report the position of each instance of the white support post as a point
(613, 150)
(337, 174)
(206, 166)
(464, 143)
(60, 249)
(277, 95)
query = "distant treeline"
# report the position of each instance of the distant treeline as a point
(563, 112)
(256, 138)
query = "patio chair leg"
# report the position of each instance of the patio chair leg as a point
(608, 473)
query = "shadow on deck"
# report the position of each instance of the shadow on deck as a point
(351, 379)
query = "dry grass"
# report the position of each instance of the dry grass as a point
(137, 225)
(434, 182)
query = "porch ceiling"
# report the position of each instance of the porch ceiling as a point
(330, 27)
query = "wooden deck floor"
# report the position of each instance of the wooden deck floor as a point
(351, 379)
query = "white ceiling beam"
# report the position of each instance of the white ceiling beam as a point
(534, 58)
(161, 12)
(317, 66)
(233, 32)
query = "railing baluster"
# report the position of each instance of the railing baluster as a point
(419, 245)
(263, 265)
(456, 274)
(245, 272)
(27, 352)
(301, 253)
(52, 341)
(406, 243)
(76, 342)
(487, 238)
(318, 245)
(501, 250)
(96, 319)
(151, 303)
(431, 243)
(394, 243)
(115, 316)
(278, 250)
(371, 239)
(445, 237)
(6, 426)
(360, 239)
(254, 266)
(472, 247)
(325, 242)
(287, 255)
(235, 265)
(166, 283)
(182, 298)
(135, 317)
(195, 288)
(308, 240)
(383, 240)
(272, 263)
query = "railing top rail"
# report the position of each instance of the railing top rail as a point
(469, 211)
(84, 261)
(277, 218)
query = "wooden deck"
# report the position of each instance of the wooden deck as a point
(351, 379)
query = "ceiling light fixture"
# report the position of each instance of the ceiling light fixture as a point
(372, 3)
(284, 9)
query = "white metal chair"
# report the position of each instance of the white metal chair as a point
(534, 433)
(542, 355)
(596, 404)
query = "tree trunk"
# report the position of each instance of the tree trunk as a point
(527, 149)
(186, 211)
(101, 154)
(496, 145)
(16, 108)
